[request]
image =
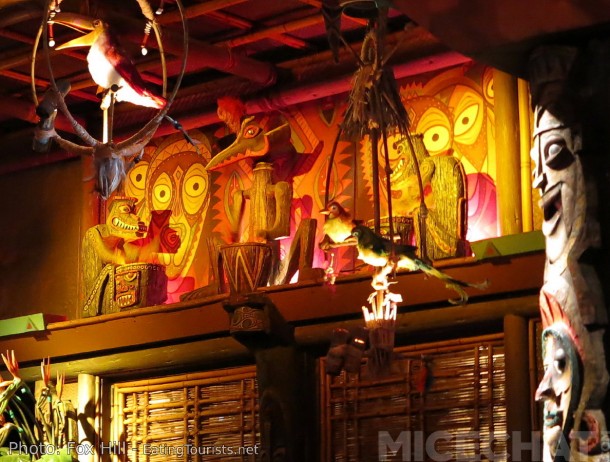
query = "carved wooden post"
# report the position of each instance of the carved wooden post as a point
(283, 377)
(517, 385)
(571, 99)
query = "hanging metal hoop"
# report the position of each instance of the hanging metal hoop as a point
(146, 132)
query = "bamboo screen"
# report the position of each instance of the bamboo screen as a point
(194, 417)
(460, 415)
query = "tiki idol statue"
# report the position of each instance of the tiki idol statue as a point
(270, 199)
(444, 183)
(567, 150)
(247, 264)
(117, 272)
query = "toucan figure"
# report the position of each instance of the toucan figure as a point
(109, 65)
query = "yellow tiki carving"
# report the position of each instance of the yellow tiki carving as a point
(113, 276)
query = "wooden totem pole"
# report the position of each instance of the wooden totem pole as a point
(571, 98)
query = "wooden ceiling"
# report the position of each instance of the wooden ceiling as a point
(270, 53)
(255, 49)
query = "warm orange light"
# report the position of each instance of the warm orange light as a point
(383, 308)
(382, 301)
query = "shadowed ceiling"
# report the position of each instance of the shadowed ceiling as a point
(270, 53)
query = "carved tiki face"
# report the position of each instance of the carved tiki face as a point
(123, 221)
(556, 175)
(559, 390)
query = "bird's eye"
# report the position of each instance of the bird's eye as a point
(251, 131)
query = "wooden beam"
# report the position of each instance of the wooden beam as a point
(291, 41)
(508, 173)
(518, 392)
(45, 84)
(231, 20)
(225, 350)
(243, 24)
(198, 10)
(318, 4)
(302, 303)
(273, 31)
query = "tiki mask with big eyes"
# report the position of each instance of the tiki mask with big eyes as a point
(179, 183)
(557, 174)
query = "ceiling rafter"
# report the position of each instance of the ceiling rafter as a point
(44, 83)
(237, 47)
(318, 4)
(213, 56)
(271, 32)
(243, 24)
(198, 10)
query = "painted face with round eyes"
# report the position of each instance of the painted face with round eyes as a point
(559, 388)
(557, 176)
(180, 184)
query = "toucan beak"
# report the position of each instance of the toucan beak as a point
(80, 23)
(325, 212)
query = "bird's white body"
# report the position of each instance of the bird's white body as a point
(105, 75)
(110, 67)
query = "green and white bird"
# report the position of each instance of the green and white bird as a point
(377, 251)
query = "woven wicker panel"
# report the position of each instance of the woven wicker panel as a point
(188, 418)
(461, 406)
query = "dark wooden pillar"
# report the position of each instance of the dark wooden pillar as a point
(518, 393)
(285, 379)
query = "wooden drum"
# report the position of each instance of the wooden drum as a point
(246, 266)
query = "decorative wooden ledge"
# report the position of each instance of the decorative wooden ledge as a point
(171, 335)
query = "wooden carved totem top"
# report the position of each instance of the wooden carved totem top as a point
(570, 101)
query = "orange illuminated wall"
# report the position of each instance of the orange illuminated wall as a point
(453, 110)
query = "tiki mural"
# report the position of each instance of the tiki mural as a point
(171, 177)
(569, 94)
(453, 112)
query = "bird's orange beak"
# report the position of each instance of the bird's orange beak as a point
(325, 212)
(77, 22)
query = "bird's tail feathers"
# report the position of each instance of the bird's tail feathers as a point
(451, 283)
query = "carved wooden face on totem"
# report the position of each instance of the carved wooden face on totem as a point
(559, 390)
(572, 300)
(556, 175)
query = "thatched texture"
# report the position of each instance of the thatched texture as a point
(463, 392)
(205, 410)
